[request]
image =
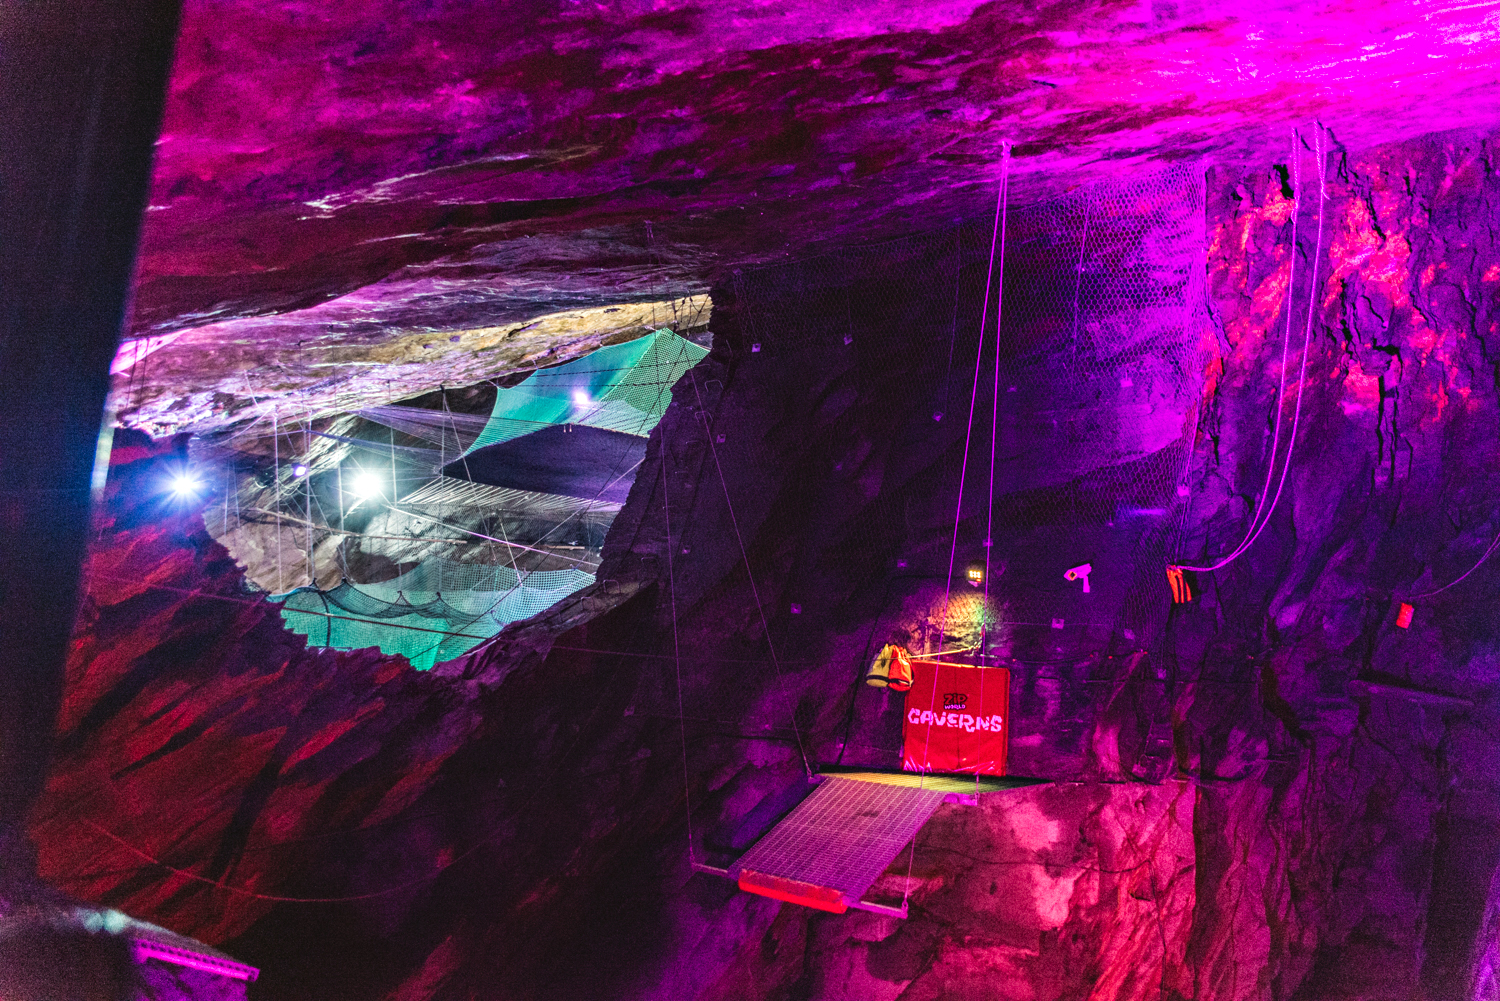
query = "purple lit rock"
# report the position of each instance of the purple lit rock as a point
(1286, 798)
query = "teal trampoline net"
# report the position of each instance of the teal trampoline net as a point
(624, 387)
(443, 608)
(432, 613)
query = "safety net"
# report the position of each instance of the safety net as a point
(924, 451)
(623, 387)
(1086, 417)
(431, 613)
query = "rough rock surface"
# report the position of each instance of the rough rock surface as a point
(457, 168)
(514, 822)
(262, 373)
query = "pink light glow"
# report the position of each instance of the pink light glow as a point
(147, 949)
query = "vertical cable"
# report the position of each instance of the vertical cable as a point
(989, 528)
(343, 536)
(1262, 514)
(755, 592)
(666, 506)
(974, 393)
(276, 480)
(312, 567)
(989, 538)
(958, 506)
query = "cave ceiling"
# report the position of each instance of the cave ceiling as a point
(353, 203)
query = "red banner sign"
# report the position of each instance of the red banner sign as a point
(956, 719)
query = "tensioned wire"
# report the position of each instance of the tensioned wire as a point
(755, 591)
(1264, 511)
(666, 508)
(997, 238)
(989, 528)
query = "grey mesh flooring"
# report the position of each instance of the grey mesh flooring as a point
(843, 835)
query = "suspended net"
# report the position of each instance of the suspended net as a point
(432, 613)
(1103, 341)
(1102, 349)
(624, 387)
(453, 433)
(442, 608)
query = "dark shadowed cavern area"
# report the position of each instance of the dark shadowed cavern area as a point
(750, 501)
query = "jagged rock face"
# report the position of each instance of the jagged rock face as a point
(262, 375)
(362, 182)
(514, 823)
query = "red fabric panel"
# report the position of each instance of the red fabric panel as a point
(957, 719)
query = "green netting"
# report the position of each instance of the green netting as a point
(431, 613)
(440, 609)
(625, 387)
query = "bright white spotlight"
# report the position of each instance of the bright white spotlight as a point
(300, 469)
(366, 484)
(185, 484)
(581, 399)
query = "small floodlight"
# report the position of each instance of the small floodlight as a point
(975, 574)
(581, 399)
(300, 469)
(366, 484)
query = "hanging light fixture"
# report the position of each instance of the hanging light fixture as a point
(975, 574)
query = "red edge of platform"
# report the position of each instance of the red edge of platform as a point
(792, 891)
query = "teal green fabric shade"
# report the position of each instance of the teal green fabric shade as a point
(625, 387)
(441, 609)
(429, 614)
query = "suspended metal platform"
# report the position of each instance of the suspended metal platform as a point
(832, 847)
(836, 843)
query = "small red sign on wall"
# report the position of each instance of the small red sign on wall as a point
(957, 719)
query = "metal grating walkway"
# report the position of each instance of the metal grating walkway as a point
(841, 837)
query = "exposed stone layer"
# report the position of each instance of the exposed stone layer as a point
(283, 371)
(385, 176)
(1325, 828)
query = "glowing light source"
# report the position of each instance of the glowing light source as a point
(581, 399)
(300, 469)
(366, 484)
(975, 574)
(184, 484)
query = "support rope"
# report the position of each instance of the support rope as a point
(666, 507)
(754, 591)
(1265, 511)
(989, 528)
(958, 506)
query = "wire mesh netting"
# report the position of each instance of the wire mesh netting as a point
(514, 538)
(624, 387)
(432, 613)
(1085, 406)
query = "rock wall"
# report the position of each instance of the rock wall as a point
(1320, 815)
